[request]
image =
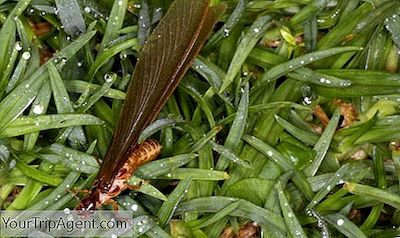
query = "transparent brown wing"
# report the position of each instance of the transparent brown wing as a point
(163, 61)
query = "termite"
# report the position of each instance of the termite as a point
(163, 61)
(141, 154)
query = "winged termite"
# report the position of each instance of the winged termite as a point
(164, 59)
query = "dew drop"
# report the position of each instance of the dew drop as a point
(87, 9)
(12, 163)
(227, 32)
(37, 109)
(307, 101)
(108, 77)
(134, 207)
(26, 55)
(340, 222)
(328, 188)
(67, 211)
(120, 3)
(256, 30)
(18, 46)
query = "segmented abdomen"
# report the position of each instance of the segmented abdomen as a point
(143, 153)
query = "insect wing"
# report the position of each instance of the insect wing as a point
(163, 61)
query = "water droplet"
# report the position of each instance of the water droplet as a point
(290, 214)
(226, 32)
(120, 3)
(37, 109)
(79, 64)
(108, 77)
(18, 46)
(67, 211)
(270, 153)
(12, 163)
(26, 55)
(340, 222)
(134, 207)
(256, 30)
(307, 101)
(328, 188)
(87, 9)
(322, 80)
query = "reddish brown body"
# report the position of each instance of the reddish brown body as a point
(141, 154)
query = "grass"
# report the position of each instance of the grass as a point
(285, 126)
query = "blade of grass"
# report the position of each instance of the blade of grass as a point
(168, 208)
(196, 174)
(253, 34)
(237, 129)
(322, 145)
(291, 221)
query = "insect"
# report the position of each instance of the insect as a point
(141, 154)
(163, 61)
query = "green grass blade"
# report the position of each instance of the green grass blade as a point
(322, 145)
(381, 195)
(344, 225)
(70, 15)
(292, 222)
(28, 124)
(164, 166)
(246, 45)
(196, 174)
(168, 208)
(237, 129)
